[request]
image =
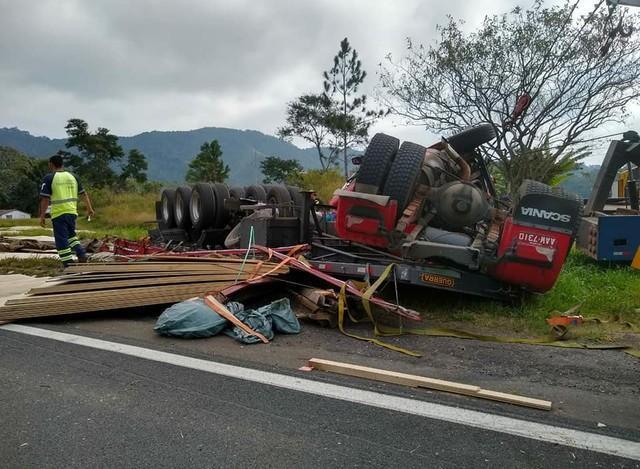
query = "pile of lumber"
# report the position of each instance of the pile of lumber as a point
(119, 285)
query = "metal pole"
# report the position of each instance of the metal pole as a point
(307, 206)
(632, 189)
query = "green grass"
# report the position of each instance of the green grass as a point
(608, 292)
(30, 232)
(28, 222)
(40, 267)
(125, 215)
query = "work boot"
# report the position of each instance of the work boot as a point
(83, 260)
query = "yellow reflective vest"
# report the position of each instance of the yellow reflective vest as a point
(62, 188)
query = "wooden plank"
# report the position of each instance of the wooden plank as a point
(105, 285)
(208, 261)
(171, 267)
(60, 310)
(92, 277)
(424, 382)
(165, 258)
(119, 292)
(229, 316)
(87, 305)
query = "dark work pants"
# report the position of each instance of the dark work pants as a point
(64, 232)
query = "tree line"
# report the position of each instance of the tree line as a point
(567, 75)
(570, 75)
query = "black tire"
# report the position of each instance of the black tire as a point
(279, 195)
(268, 187)
(202, 206)
(181, 207)
(167, 203)
(222, 214)
(297, 198)
(404, 174)
(471, 138)
(236, 193)
(375, 164)
(256, 193)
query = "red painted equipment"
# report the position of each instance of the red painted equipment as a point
(365, 218)
(531, 257)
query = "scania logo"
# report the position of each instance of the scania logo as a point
(545, 214)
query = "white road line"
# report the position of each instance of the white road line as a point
(523, 428)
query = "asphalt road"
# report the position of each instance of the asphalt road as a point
(67, 405)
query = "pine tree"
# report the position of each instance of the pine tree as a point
(136, 167)
(350, 120)
(97, 152)
(279, 170)
(208, 165)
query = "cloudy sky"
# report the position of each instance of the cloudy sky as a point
(133, 66)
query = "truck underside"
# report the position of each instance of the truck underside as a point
(431, 212)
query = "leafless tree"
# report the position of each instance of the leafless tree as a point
(580, 73)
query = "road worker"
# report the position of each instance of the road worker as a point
(60, 190)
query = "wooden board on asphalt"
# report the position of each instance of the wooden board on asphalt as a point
(424, 382)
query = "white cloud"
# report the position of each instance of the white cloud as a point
(151, 64)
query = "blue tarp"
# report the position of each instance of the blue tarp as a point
(190, 319)
(194, 319)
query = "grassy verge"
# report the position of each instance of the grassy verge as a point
(607, 292)
(126, 215)
(610, 293)
(37, 267)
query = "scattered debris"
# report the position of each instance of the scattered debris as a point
(189, 319)
(223, 311)
(120, 285)
(195, 319)
(26, 245)
(317, 305)
(424, 382)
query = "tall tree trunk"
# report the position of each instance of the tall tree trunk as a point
(344, 135)
(346, 163)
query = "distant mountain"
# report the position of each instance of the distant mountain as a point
(168, 153)
(581, 180)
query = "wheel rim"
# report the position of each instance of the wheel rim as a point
(194, 206)
(179, 212)
(165, 209)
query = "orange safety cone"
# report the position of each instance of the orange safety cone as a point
(636, 260)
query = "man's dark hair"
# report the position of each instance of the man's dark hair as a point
(56, 160)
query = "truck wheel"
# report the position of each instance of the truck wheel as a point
(236, 193)
(471, 138)
(256, 193)
(222, 214)
(297, 198)
(376, 162)
(202, 206)
(279, 195)
(181, 207)
(404, 174)
(167, 203)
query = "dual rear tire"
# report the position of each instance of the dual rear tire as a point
(195, 209)
(394, 170)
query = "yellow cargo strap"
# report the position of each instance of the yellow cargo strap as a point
(386, 331)
(341, 307)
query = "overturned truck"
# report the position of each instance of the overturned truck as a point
(432, 212)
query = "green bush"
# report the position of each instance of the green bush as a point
(324, 183)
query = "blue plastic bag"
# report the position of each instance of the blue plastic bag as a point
(275, 317)
(283, 318)
(190, 319)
